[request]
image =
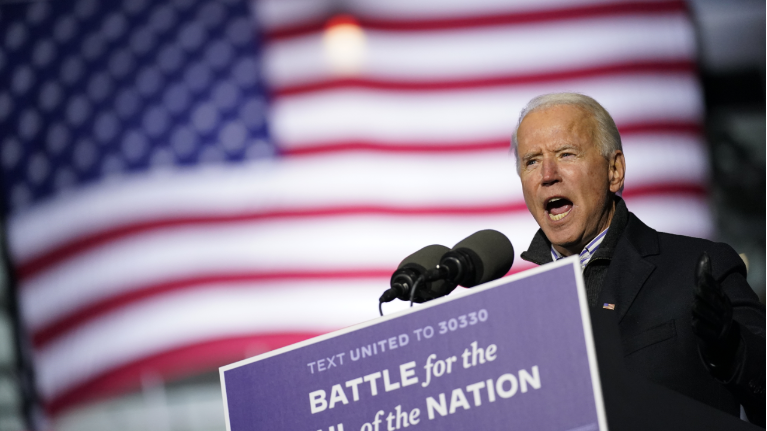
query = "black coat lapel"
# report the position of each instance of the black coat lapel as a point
(629, 269)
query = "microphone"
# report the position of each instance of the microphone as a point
(481, 257)
(413, 267)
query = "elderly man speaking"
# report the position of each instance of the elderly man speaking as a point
(687, 317)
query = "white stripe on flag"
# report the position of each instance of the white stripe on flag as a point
(458, 116)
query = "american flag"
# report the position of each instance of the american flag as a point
(191, 182)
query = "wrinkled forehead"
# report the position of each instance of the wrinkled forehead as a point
(557, 124)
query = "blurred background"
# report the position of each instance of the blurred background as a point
(189, 183)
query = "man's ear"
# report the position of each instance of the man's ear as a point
(617, 171)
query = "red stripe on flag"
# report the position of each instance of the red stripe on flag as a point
(399, 148)
(173, 364)
(560, 14)
(670, 66)
(92, 311)
(665, 189)
(58, 254)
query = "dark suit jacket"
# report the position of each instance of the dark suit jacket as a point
(650, 279)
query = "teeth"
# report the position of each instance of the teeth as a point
(559, 216)
(554, 200)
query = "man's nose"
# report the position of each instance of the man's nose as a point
(549, 172)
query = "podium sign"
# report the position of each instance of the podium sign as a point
(513, 354)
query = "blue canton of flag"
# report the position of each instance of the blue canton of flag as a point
(96, 89)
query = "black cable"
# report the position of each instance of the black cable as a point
(415, 286)
(412, 293)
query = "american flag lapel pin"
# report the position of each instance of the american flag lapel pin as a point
(608, 306)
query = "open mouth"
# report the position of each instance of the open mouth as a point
(558, 208)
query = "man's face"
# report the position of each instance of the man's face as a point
(567, 182)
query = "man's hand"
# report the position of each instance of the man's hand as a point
(718, 335)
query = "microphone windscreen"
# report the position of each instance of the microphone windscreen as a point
(425, 258)
(491, 253)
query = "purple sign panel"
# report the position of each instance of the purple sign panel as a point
(514, 354)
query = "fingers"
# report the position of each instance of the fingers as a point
(703, 268)
(708, 291)
(709, 308)
(712, 319)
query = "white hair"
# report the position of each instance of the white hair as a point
(608, 138)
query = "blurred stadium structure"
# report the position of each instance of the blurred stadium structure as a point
(187, 183)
